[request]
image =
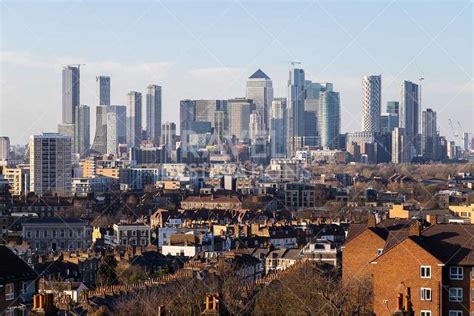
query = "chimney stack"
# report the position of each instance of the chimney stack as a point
(371, 221)
(415, 229)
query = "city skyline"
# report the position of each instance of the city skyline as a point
(445, 89)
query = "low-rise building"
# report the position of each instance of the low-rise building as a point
(133, 234)
(17, 284)
(56, 234)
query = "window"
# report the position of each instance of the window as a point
(10, 312)
(472, 295)
(455, 294)
(425, 272)
(425, 313)
(379, 251)
(425, 294)
(455, 313)
(9, 291)
(24, 287)
(455, 273)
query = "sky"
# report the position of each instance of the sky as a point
(207, 50)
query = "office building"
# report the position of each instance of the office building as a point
(50, 164)
(239, 110)
(278, 120)
(393, 107)
(256, 124)
(153, 113)
(296, 97)
(70, 93)
(220, 126)
(134, 118)
(103, 90)
(168, 136)
(388, 121)
(4, 148)
(329, 119)
(429, 134)
(409, 116)
(82, 129)
(187, 115)
(371, 103)
(260, 89)
(121, 122)
(204, 110)
(400, 151)
(100, 140)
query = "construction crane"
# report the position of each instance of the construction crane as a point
(293, 63)
(453, 129)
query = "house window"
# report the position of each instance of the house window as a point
(425, 294)
(24, 287)
(455, 294)
(10, 312)
(9, 291)
(456, 273)
(379, 251)
(425, 313)
(425, 272)
(455, 313)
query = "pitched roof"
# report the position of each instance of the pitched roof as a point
(452, 244)
(13, 268)
(259, 74)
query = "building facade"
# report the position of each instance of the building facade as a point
(371, 103)
(50, 164)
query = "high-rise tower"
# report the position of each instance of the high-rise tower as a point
(153, 113)
(371, 103)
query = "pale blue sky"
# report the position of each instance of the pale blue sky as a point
(207, 50)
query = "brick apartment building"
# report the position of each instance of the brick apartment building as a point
(434, 264)
(364, 242)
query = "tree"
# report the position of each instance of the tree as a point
(106, 274)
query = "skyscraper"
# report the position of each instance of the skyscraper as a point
(311, 108)
(103, 90)
(388, 121)
(429, 134)
(121, 122)
(4, 148)
(329, 119)
(112, 133)
(82, 129)
(296, 96)
(187, 115)
(400, 152)
(204, 109)
(50, 164)
(371, 103)
(239, 110)
(168, 136)
(255, 126)
(153, 113)
(278, 128)
(134, 118)
(220, 126)
(100, 140)
(409, 116)
(393, 107)
(70, 94)
(260, 89)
